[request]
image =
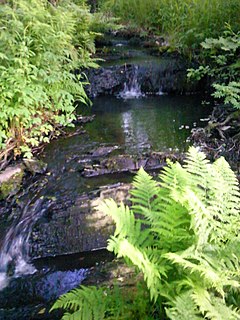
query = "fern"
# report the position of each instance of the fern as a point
(183, 308)
(84, 303)
(182, 234)
(191, 218)
(91, 303)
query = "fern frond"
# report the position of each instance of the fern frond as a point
(140, 259)
(213, 307)
(144, 195)
(84, 303)
(190, 237)
(172, 221)
(197, 166)
(126, 224)
(183, 308)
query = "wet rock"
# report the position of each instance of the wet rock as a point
(80, 119)
(109, 80)
(111, 273)
(35, 294)
(10, 180)
(103, 151)
(126, 163)
(78, 227)
(35, 166)
(161, 75)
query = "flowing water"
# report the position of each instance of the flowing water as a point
(132, 124)
(132, 88)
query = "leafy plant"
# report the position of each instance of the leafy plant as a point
(91, 303)
(182, 234)
(37, 57)
(221, 63)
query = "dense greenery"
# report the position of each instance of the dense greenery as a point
(186, 23)
(40, 46)
(92, 303)
(182, 234)
(221, 64)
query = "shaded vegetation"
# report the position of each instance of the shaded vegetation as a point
(221, 64)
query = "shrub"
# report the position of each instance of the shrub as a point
(37, 57)
(182, 234)
(221, 64)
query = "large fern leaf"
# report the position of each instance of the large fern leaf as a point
(85, 303)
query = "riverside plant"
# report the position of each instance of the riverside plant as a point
(220, 63)
(38, 53)
(182, 235)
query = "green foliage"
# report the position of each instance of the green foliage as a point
(230, 93)
(190, 243)
(221, 63)
(37, 57)
(91, 303)
(182, 234)
(186, 22)
(85, 303)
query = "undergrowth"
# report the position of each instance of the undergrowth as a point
(220, 64)
(40, 46)
(185, 23)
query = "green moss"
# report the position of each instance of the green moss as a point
(12, 186)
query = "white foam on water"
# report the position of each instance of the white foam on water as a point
(4, 280)
(132, 88)
(161, 92)
(132, 92)
(22, 267)
(14, 250)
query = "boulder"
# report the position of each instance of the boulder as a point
(10, 180)
(153, 77)
(35, 166)
(80, 227)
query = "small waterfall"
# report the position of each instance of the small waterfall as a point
(161, 92)
(14, 259)
(132, 88)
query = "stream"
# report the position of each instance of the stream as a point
(53, 232)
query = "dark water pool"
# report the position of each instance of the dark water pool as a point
(159, 123)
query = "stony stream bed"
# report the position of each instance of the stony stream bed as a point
(55, 233)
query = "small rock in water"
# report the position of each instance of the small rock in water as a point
(35, 166)
(10, 172)
(10, 181)
(103, 151)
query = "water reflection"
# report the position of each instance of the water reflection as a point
(157, 123)
(136, 137)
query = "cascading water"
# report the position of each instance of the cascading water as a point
(14, 250)
(132, 88)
